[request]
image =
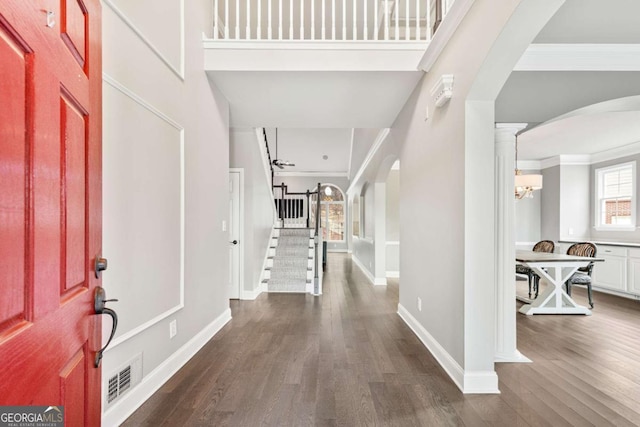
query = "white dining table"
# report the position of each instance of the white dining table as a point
(556, 269)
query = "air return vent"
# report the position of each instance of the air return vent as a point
(125, 378)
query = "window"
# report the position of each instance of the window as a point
(615, 207)
(332, 213)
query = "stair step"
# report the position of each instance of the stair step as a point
(267, 281)
(272, 257)
(271, 268)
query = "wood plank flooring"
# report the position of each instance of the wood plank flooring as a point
(347, 359)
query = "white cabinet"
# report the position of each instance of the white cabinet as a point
(633, 284)
(612, 273)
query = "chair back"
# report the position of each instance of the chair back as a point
(544, 246)
(587, 249)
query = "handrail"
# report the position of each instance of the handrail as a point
(316, 277)
(266, 142)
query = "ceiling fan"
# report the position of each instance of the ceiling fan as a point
(278, 162)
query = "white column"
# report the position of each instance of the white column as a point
(505, 140)
(380, 233)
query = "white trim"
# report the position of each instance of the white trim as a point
(392, 243)
(393, 274)
(616, 153)
(597, 198)
(121, 410)
(448, 363)
(179, 72)
(240, 171)
(515, 357)
(312, 174)
(353, 135)
(528, 165)
(481, 382)
(251, 295)
(267, 171)
(382, 136)
(580, 57)
(136, 98)
(359, 45)
(447, 28)
(396, 165)
(374, 281)
(344, 251)
(263, 287)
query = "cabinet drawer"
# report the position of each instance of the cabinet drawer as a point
(604, 250)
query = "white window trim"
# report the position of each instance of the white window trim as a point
(599, 174)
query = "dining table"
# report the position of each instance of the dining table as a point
(556, 269)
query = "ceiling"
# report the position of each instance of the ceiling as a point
(555, 104)
(306, 148)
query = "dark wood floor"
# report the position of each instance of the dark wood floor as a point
(347, 359)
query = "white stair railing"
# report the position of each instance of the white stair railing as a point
(332, 20)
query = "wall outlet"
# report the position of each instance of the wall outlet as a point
(419, 304)
(173, 328)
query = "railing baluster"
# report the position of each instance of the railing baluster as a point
(269, 21)
(355, 23)
(237, 19)
(324, 19)
(396, 11)
(313, 19)
(376, 24)
(290, 19)
(333, 19)
(302, 20)
(418, 18)
(406, 19)
(280, 20)
(216, 29)
(248, 30)
(226, 19)
(365, 30)
(259, 21)
(344, 19)
(386, 19)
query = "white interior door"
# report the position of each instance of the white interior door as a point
(234, 234)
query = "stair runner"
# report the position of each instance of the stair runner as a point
(291, 261)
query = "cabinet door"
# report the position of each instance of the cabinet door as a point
(611, 273)
(634, 276)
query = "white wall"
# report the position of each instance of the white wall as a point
(165, 181)
(258, 207)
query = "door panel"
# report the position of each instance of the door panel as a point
(234, 235)
(14, 169)
(50, 207)
(73, 28)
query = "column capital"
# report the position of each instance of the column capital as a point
(510, 128)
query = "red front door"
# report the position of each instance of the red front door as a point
(50, 205)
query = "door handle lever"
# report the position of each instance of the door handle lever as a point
(234, 242)
(99, 305)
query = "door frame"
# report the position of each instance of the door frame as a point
(240, 172)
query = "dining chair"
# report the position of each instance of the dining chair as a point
(582, 277)
(533, 278)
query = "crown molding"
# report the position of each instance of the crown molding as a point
(529, 165)
(616, 153)
(580, 57)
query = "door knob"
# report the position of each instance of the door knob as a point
(234, 242)
(99, 306)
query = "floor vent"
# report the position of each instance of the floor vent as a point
(124, 379)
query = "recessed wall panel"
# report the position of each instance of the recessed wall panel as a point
(142, 198)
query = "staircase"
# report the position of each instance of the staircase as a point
(290, 262)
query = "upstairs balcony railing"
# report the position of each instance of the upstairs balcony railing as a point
(331, 20)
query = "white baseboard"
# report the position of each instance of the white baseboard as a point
(344, 251)
(117, 414)
(393, 274)
(448, 363)
(251, 295)
(473, 382)
(376, 281)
